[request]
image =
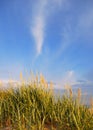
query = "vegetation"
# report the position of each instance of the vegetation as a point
(34, 107)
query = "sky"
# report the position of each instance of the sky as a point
(54, 38)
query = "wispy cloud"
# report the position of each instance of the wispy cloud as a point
(42, 10)
(75, 28)
(38, 27)
(66, 40)
(69, 78)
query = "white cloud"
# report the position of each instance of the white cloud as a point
(38, 27)
(38, 33)
(41, 11)
(69, 78)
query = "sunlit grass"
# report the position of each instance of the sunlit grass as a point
(33, 106)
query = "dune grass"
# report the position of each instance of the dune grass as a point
(34, 107)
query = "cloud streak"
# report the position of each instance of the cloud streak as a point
(38, 27)
(69, 77)
(83, 28)
(41, 11)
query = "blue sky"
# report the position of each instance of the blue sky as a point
(54, 38)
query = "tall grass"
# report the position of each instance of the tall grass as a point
(34, 107)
